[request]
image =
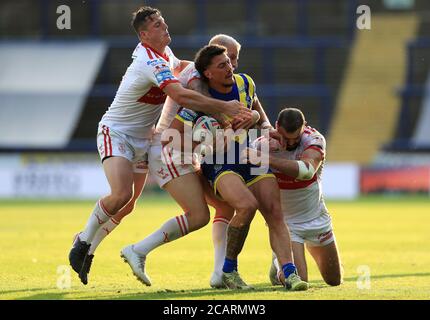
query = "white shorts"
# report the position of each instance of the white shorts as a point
(317, 232)
(163, 167)
(113, 143)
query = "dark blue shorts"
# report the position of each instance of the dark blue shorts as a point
(213, 172)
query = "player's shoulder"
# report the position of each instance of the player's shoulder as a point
(146, 57)
(189, 74)
(313, 136)
(245, 77)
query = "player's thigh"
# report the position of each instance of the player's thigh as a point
(119, 173)
(266, 191)
(188, 193)
(233, 190)
(328, 261)
(222, 207)
(300, 259)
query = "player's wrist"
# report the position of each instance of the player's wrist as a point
(266, 125)
(255, 116)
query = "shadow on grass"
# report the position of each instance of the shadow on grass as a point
(383, 276)
(166, 294)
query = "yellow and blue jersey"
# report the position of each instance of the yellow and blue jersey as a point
(244, 91)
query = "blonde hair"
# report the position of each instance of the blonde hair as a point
(224, 40)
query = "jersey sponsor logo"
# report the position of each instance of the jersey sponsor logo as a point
(163, 73)
(154, 96)
(155, 62)
(188, 115)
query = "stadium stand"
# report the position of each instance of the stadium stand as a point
(367, 91)
(295, 53)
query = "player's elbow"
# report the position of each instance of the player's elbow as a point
(306, 171)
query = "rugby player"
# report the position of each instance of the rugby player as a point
(214, 66)
(298, 168)
(126, 129)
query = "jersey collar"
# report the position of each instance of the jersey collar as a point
(165, 57)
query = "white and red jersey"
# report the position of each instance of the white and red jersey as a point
(303, 201)
(171, 108)
(139, 99)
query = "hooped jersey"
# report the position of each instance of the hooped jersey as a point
(139, 99)
(303, 200)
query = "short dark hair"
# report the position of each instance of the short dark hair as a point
(204, 57)
(291, 119)
(140, 17)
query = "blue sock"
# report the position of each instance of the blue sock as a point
(229, 265)
(288, 269)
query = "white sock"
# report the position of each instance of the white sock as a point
(219, 239)
(279, 271)
(106, 229)
(97, 218)
(172, 229)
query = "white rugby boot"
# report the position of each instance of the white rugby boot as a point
(137, 264)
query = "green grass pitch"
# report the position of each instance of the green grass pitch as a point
(390, 237)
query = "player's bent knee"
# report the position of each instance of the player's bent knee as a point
(128, 209)
(122, 198)
(203, 221)
(247, 206)
(333, 279)
(197, 220)
(334, 282)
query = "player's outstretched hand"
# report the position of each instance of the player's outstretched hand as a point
(236, 109)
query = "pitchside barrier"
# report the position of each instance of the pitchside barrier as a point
(80, 176)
